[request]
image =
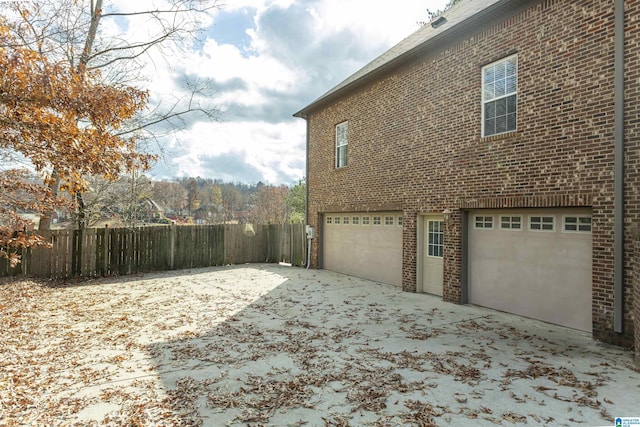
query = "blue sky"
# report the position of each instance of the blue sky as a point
(270, 58)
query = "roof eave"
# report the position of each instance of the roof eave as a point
(457, 29)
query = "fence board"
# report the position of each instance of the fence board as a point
(120, 251)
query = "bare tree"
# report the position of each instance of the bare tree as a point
(270, 205)
(231, 201)
(193, 196)
(85, 33)
(127, 200)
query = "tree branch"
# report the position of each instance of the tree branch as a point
(144, 46)
(157, 11)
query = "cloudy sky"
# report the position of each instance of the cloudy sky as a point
(269, 59)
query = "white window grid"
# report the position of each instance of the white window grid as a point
(435, 244)
(355, 220)
(337, 220)
(511, 222)
(483, 222)
(400, 221)
(388, 220)
(342, 141)
(542, 223)
(576, 224)
(500, 96)
(329, 220)
(377, 220)
(366, 220)
(346, 220)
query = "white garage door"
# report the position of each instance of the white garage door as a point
(535, 263)
(366, 245)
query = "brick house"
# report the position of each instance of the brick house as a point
(490, 158)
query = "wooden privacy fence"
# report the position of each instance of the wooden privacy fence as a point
(119, 251)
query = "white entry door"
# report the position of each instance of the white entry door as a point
(432, 262)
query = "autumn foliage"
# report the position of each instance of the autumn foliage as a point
(64, 122)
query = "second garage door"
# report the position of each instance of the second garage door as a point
(535, 263)
(366, 245)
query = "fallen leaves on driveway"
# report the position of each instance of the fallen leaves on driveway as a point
(269, 345)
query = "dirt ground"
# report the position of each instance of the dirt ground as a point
(274, 345)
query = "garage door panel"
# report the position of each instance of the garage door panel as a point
(539, 293)
(365, 250)
(530, 248)
(545, 275)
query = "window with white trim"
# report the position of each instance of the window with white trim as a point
(400, 220)
(576, 224)
(483, 221)
(435, 244)
(336, 220)
(388, 220)
(377, 220)
(500, 96)
(510, 222)
(342, 140)
(355, 220)
(366, 220)
(542, 223)
(329, 220)
(345, 220)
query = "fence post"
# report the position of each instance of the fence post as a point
(76, 252)
(25, 261)
(172, 247)
(105, 253)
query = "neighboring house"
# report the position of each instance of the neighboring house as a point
(490, 158)
(150, 209)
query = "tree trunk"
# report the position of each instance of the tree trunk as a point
(96, 12)
(46, 218)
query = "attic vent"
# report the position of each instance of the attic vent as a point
(438, 21)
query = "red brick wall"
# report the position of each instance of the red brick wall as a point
(415, 137)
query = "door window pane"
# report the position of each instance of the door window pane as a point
(435, 238)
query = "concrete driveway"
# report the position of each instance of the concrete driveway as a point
(281, 346)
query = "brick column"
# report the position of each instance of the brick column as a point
(452, 256)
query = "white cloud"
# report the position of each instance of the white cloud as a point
(380, 23)
(275, 152)
(289, 53)
(227, 62)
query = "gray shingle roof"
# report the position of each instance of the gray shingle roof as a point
(456, 17)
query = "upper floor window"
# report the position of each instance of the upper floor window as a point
(499, 96)
(342, 139)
